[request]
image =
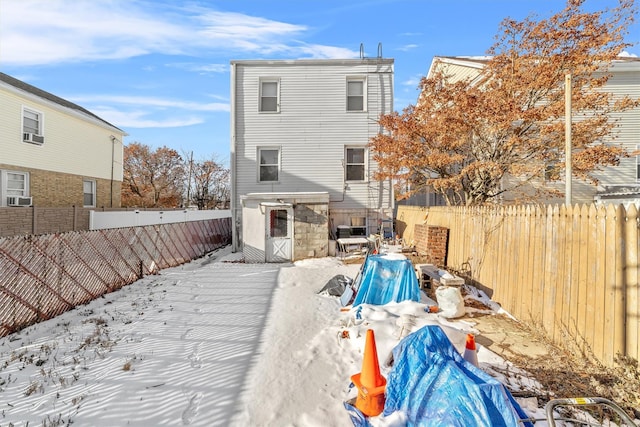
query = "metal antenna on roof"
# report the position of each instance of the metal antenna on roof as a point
(361, 50)
(379, 50)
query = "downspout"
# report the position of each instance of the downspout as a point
(234, 196)
(113, 149)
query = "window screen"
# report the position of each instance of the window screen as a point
(355, 164)
(269, 96)
(269, 164)
(355, 95)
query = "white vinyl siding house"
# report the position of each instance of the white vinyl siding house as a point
(617, 184)
(55, 145)
(314, 140)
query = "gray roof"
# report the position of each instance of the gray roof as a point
(18, 84)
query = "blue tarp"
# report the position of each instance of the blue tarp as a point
(385, 279)
(434, 386)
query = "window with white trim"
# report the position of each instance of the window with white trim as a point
(31, 121)
(268, 164)
(356, 164)
(356, 93)
(32, 126)
(269, 95)
(88, 193)
(16, 183)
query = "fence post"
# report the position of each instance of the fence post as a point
(620, 287)
(34, 221)
(631, 283)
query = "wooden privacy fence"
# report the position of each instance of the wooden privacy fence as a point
(571, 270)
(43, 276)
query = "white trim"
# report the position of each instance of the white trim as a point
(365, 160)
(319, 197)
(94, 192)
(40, 114)
(262, 81)
(297, 62)
(259, 165)
(3, 185)
(351, 79)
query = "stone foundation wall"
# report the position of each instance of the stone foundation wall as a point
(311, 235)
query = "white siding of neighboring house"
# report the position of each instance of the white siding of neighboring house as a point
(312, 128)
(624, 80)
(63, 150)
(457, 69)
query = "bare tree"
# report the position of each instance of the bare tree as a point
(209, 184)
(152, 178)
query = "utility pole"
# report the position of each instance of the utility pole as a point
(189, 181)
(567, 138)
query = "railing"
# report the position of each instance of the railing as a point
(43, 276)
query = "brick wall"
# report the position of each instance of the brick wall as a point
(431, 241)
(55, 189)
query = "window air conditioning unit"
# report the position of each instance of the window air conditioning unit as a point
(32, 138)
(19, 201)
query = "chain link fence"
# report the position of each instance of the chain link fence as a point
(42, 276)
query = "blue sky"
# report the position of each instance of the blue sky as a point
(159, 69)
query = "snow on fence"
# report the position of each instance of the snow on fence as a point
(570, 271)
(99, 220)
(45, 275)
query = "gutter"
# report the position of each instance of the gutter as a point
(232, 107)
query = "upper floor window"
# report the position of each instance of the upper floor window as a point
(355, 164)
(89, 193)
(356, 94)
(269, 164)
(32, 128)
(269, 95)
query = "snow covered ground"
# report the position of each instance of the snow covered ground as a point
(210, 343)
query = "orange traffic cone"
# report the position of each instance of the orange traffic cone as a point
(470, 353)
(370, 383)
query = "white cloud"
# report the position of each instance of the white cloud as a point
(408, 47)
(201, 68)
(46, 31)
(140, 119)
(412, 81)
(231, 27)
(309, 51)
(626, 54)
(158, 103)
(148, 112)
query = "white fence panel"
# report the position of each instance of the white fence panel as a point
(101, 220)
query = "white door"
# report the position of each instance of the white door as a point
(279, 234)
